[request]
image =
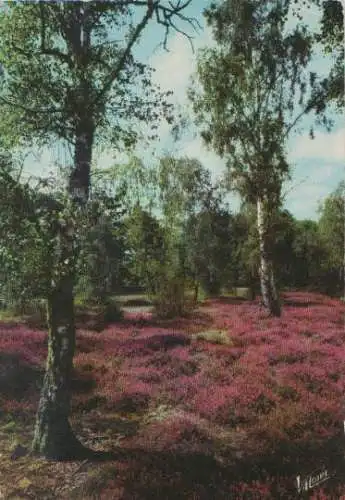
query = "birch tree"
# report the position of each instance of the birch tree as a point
(250, 91)
(69, 73)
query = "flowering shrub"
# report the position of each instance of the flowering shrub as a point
(279, 382)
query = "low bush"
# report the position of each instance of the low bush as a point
(214, 337)
(111, 312)
(34, 311)
(170, 299)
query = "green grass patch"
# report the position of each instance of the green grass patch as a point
(214, 337)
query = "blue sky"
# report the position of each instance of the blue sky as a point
(317, 166)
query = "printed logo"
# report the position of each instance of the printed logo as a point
(313, 479)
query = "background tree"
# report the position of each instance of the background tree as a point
(283, 227)
(209, 247)
(102, 246)
(27, 223)
(246, 258)
(145, 248)
(330, 36)
(65, 77)
(308, 255)
(185, 189)
(331, 230)
(244, 98)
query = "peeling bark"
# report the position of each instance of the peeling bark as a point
(268, 286)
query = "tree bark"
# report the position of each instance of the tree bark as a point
(268, 286)
(79, 184)
(53, 436)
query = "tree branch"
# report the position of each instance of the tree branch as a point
(309, 107)
(33, 111)
(51, 51)
(164, 16)
(126, 53)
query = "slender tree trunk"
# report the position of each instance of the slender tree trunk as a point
(53, 437)
(252, 287)
(268, 287)
(196, 292)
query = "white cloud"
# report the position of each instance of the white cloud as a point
(175, 67)
(303, 201)
(328, 147)
(312, 181)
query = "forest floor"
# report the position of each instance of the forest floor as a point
(227, 403)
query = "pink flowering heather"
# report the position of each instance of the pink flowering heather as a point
(279, 383)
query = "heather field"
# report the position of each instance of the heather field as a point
(226, 403)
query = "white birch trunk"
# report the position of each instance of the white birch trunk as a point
(268, 287)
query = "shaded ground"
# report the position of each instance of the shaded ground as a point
(227, 403)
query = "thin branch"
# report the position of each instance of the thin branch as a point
(33, 111)
(283, 196)
(164, 16)
(309, 107)
(51, 51)
(126, 53)
(168, 15)
(20, 171)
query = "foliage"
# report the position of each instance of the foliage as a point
(331, 37)
(328, 93)
(29, 221)
(57, 83)
(153, 261)
(145, 248)
(331, 229)
(111, 312)
(309, 254)
(244, 100)
(29, 253)
(185, 187)
(195, 225)
(65, 77)
(245, 261)
(245, 89)
(284, 229)
(209, 247)
(170, 299)
(102, 245)
(158, 250)
(138, 180)
(41, 70)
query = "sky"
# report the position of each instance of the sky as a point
(317, 166)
